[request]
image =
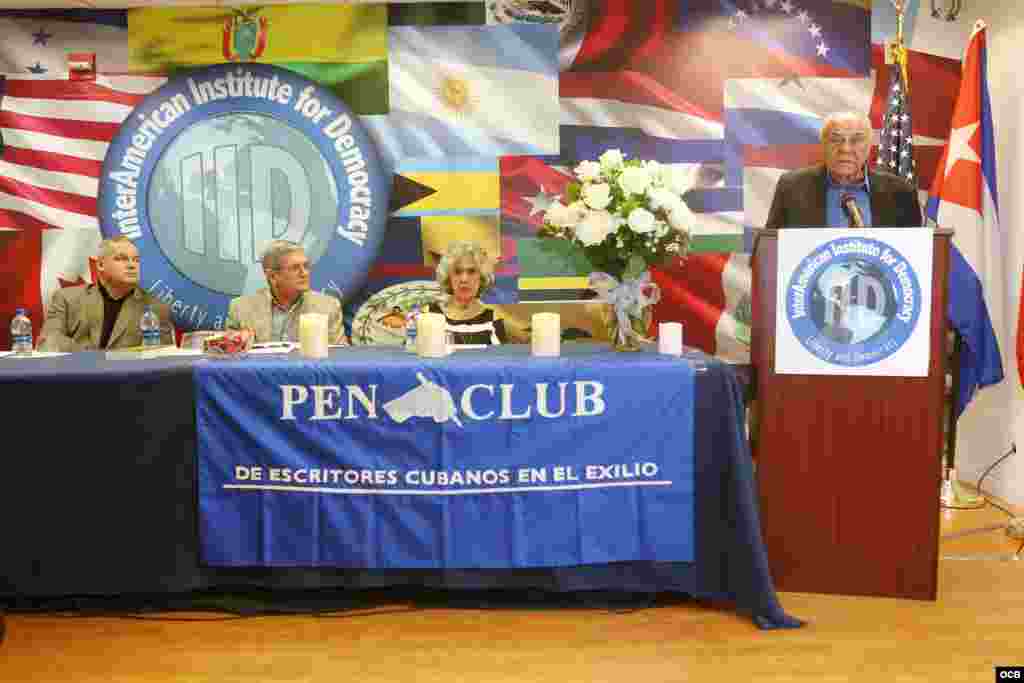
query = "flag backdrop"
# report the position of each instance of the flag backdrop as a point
(484, 122)
(343, 48)
(163, 37)
(37, 41)
(56, 133)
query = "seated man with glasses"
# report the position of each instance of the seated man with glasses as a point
(814, 196)
(272, 314)
(106, 314)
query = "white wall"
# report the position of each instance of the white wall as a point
(996, 416)
(1006, 51)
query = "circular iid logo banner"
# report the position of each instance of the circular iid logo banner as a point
(853, 302)
(222, 160)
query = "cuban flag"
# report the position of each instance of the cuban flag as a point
(964, 197)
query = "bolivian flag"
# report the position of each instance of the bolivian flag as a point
(341, 47)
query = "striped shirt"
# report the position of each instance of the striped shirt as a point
(481, 329)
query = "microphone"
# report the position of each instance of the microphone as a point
(849, 205)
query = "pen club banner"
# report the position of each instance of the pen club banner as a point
(392, 463)
(854, 303)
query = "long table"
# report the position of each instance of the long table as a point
(100, 496)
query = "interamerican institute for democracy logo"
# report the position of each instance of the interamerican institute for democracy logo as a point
(220, 161)
(853, 301)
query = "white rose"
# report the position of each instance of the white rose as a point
(594, 227)
(562, 216)
(654, 170)
(641, 221)
(597, 195)
(578, 210)
(588, 170)
(611, 159)
(556, 214)
(681, 218)
(635, 180)
(660, 198)
(679, 179)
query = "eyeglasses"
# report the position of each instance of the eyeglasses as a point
(295, 268)
(854, 140)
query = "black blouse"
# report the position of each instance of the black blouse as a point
(480, 329)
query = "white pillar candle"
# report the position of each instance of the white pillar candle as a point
(313, 335)
(545, 334)
(430, 335)
(670, 338)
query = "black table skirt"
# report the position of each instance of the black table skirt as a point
(99, 498)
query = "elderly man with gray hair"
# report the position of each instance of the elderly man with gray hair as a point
(105, 314)
(831, 193)
(272, 313)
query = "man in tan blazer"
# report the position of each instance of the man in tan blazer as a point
(273, 313)
(104, 315)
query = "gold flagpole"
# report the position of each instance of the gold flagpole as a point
(899, 49)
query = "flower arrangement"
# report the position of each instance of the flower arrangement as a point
(625, 214)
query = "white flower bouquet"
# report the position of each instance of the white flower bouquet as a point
(625, 214)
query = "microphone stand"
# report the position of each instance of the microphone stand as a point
(849, 204)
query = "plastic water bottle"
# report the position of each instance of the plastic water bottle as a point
(21, 333)
(149, 324)
(410, 328)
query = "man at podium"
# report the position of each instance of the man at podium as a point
(843, 191)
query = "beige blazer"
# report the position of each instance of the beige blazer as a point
(74, 320)
(253, 312)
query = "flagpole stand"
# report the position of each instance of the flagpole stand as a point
(952, 495)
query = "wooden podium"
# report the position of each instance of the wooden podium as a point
(848, 467)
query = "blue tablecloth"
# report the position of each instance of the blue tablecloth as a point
(102, 499)
(376, 458)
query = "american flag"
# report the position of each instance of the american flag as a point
(896, 143)
(56, 133)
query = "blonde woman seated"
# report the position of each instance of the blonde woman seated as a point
(465, 273)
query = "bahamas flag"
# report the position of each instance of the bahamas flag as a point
(460, 202)
(341, 47)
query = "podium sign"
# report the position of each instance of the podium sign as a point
(834, 440)
(854, 302)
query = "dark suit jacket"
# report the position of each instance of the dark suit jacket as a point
(799, 200)
(74, 320)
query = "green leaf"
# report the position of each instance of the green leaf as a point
(553, 256)
(572, 192)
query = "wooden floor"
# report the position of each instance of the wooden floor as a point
(977, 623)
